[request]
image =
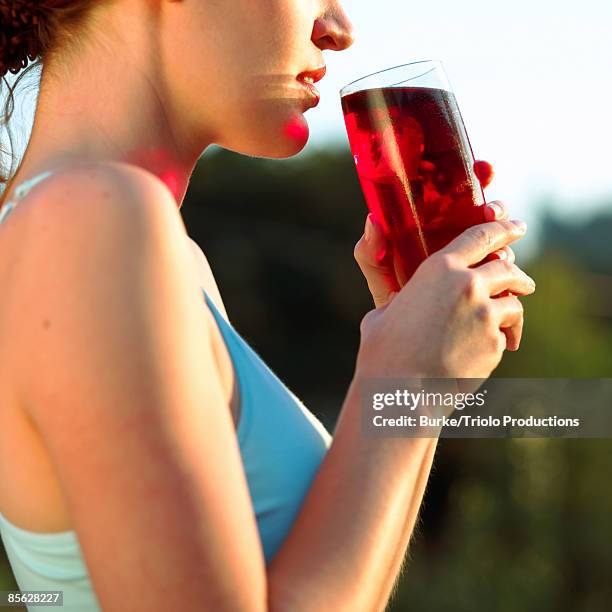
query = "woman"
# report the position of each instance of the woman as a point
(149, 458)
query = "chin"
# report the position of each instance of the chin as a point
(278, 136)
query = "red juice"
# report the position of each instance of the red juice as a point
(416, 169)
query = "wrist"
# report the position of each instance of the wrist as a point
(369, 367)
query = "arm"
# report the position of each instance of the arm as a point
(350, 537)
(348, 543)
(121, 382)
(391, 582)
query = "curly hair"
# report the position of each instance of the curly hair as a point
(30, 31)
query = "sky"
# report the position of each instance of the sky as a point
(533, 79)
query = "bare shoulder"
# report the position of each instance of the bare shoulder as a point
(84, 237)
(82, 191)
(78, 211)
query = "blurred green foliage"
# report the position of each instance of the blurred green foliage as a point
(506, 525)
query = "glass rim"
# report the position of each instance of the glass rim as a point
(367, 76)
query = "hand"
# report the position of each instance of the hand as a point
(382, 282)
(446, 322)
(496, 210)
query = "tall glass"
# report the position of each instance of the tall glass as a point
(414, 160)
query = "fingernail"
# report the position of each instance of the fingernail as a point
(502, 254)
(368, 227)
(497, 209)
(520, 224)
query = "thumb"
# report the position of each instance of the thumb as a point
(370, 252)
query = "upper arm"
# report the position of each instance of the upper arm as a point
(120, 380)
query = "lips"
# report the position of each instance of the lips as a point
(308, 78)
(314, 75)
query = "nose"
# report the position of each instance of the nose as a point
(333, 30)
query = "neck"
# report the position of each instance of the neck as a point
(95, 109)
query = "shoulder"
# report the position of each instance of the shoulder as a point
(87, 235)
(109, 213)
(79, 206)
(82, 191)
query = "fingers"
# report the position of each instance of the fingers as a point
(478, 241)
(505, 253)
(484, 172)
(369, 253)
(509, 312)
(500, 275)
(496, 211)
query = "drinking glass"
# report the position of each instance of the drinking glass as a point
(414, 160)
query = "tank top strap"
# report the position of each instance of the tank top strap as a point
(20, 192)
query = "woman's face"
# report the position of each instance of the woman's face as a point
(235, 65)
